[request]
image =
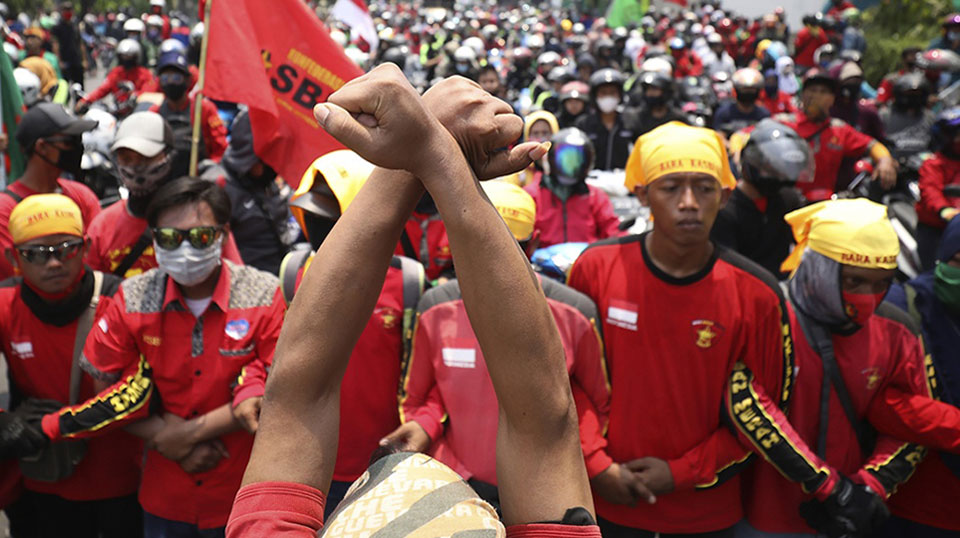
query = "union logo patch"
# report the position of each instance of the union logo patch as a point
(388, 316)
(706, 332)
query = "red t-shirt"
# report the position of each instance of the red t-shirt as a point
(779, 104)
(293, 510)
(831, 140)
(114, 232)
(149, 342)
(39, 355)
(671, 346)
(78, 192)
(806, 44)
(935, 174)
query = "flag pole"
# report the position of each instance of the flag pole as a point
(198, 98)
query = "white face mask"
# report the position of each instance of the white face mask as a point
(188, 265)
(608, 104)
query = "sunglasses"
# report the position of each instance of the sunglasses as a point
(172, 78)
(41, 254)
(199, 237)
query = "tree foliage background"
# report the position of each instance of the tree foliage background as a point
(894, 25)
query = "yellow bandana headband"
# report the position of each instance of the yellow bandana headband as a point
(677, 148)
(44, 214)
(852, 232)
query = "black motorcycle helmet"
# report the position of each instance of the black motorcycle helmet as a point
(911, 90)
(603, 77)
(943, 131)
(775, 157)
(570, 158)
(395, 55)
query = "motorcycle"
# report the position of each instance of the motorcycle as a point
(99, 171)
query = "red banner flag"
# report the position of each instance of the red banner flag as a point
(277, 58)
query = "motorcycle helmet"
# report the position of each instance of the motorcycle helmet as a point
(605, 76)
(657, 64)
(911, 90)
(747, 80)
(775, 156)
(559, 75)
(128, 53)
(134, 25)
(29, 85)
(575, 90)
(944, 130)
(819, 76)
(396, 56)
(678, 43)
(196, 34)
(547, 61)
(100, 138)
(169, 45)
(571, 157)
(825, 54)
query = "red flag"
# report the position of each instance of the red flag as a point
(277, 58)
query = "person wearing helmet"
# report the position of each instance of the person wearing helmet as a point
(611, 131)
(586, 65)
(574, 100)
(950, 40)
(135, 29)
(175, 81)
(772, 162)
(569, 210)
(68, 46)
(718, 60)
(908, 119)
(33, 39)
(810, 38)
(825, 55)
(154, 33)
(605, 53)
(849, 106)
(29, 85)
(522, 72)
(464, 63)
(935, 208)
(129, 55)
(157, 8)
(686, 62)
(51, 139)
(450, 408)
(853, 38)
(833, 139)
(743, 111)
(772, 97)
(50, 86)
(656, 94)
(908, 59)
(260, 222)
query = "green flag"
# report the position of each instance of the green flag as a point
(12, 110)
(624, 12)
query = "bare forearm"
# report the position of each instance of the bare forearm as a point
(146, 429)
(218, 422)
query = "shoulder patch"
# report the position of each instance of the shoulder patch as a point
(144, 293)
(891, 312)
(561, 293)
(446, 293)
(250, 287)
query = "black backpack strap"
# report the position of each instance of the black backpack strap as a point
(135, 251)
(289, 269)
(407, 245)
(17, 198)
(821, 341)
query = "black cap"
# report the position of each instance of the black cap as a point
(44, 120)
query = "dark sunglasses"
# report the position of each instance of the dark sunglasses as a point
(172, 78)
(199, 237)
(41, 254)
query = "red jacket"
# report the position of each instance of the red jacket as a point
(671, 345)
(447, 389)
(211, 126)
(149, 344)
(883, 355)
(837, 9)
(936, 173)
(807, 42)
(140, 76)
(429, 242)
(38, 354)
(831, 141)
(782, 103)
(688, 65)
(885, 90)
(581, 218)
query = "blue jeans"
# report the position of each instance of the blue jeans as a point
(158, 527)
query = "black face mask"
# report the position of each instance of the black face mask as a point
(655, 101)
(264, 179)
(174, 91)
(747, 98)
(127, 62)
(850, 92)
(69, 159)
(772, 90)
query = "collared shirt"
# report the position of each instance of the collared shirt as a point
(831, 140)
(148, 338)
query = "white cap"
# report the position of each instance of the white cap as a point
(147, 133)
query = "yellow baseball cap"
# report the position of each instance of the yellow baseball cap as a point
(516, 207)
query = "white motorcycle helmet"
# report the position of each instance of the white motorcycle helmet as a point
(657, 64)
(134, 25)
(101, 137)
(169, 45)
(477, 45)
(29, 85)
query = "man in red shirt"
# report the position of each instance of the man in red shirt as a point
(128, 56)
(51, 139)
(120, 240)
(808, 40)
(885, 90)
(687, 63)
(176, 108)
(538, 451)
(44, 318)
(447, 401)
(833, 139)
(935, 209)
(184, 333)
(672, 293)
(772, 98)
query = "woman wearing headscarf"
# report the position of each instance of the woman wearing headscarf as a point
(787, 77)
(538, 126)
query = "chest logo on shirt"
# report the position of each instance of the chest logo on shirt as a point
(237, 328)
(706, 332)
(24, 350)
(622, 314)
(834, 144)
(457, 357)
(388, 316)
(873, 377)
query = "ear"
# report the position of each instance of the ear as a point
(724, 196)
(641, 192)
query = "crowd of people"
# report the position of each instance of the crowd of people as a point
(197, 347)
